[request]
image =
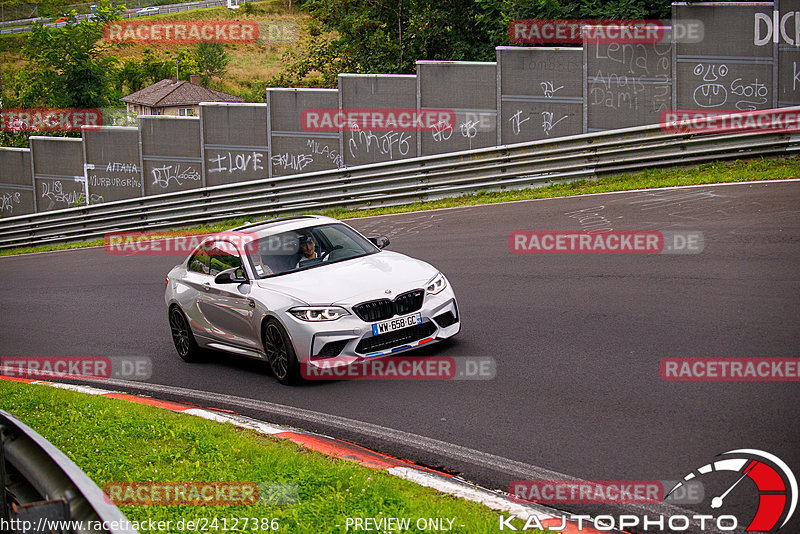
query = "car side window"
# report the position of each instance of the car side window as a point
(223, 256)
(199, 262)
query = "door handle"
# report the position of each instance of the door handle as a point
(207, 286)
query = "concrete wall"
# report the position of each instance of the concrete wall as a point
(529, 93)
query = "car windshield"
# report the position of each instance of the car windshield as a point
(306, 248)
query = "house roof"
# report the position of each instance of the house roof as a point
(176, 93)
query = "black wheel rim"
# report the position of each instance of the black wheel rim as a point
(180, 332)
(277, 353)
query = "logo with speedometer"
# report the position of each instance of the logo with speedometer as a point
(775, 483)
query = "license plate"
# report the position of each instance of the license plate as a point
(396, 324)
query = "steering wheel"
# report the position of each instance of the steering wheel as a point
(325, 254)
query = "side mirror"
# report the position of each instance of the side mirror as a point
(380, 241)
(231, 276)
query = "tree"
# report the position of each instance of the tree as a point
(69, 62)
(211, 59)
(186, 62)
(155, 69)
(590, 9)
(375, 36)
(130, 76)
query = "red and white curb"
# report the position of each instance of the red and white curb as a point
(534, 515)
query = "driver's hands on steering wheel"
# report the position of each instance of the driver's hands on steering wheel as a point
(324, 255)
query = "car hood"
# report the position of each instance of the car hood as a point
(355, 280)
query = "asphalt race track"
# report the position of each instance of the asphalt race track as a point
(577, 338)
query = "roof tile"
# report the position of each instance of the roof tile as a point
(170, 93)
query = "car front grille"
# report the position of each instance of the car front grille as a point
(408, 302)
(374, 310)
(382, 309)
(396, 338)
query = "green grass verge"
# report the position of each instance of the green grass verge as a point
(710, 173)
(113, 441)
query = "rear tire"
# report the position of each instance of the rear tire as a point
(280, 353)
(182, 336)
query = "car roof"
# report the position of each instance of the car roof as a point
(284, 224)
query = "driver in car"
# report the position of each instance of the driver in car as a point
(307, 248)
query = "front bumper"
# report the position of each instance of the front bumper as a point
(350, 339)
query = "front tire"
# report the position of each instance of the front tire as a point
(280, 353)
(182, 336)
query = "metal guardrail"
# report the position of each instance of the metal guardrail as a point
(47, 488)
(170, 8)
(17, 22)
(532, 164)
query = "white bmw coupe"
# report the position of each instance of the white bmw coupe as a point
(306, 290)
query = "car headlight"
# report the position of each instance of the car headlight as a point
(319, 313)
(436, 284)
